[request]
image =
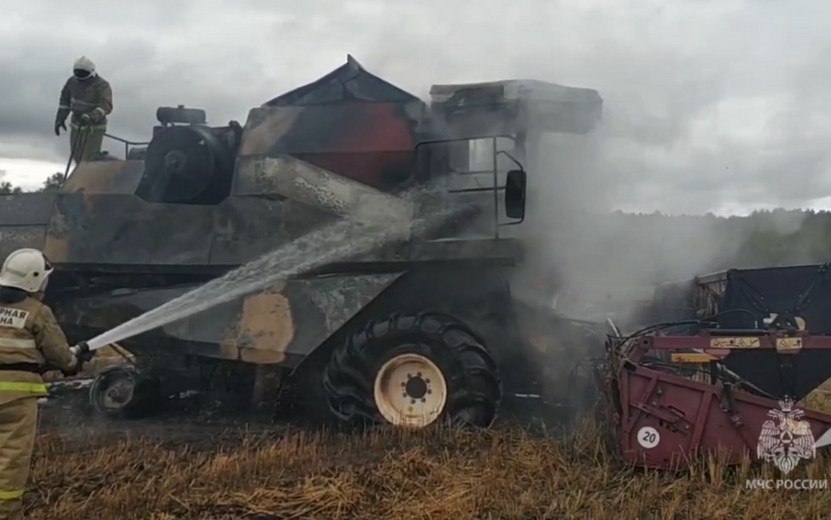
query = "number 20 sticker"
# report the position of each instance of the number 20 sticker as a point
(648, 437)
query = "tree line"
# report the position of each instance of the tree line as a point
(617, 248)
(53, 183)
(764, 238)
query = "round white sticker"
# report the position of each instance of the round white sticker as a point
(648, 437)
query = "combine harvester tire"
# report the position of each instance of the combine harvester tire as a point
(413, 371)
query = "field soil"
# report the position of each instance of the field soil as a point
(175, 468)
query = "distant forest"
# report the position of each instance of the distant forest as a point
(763, 239)
(50, 184)
(624, 248)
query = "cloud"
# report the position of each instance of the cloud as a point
(709, 104)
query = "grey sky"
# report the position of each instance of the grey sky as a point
(709, 105)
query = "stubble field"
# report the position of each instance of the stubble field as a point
(182, 471)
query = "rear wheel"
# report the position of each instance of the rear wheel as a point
(124, 392)
(413, 371)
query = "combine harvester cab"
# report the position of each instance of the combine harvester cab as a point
(407, 334)
(731, 379)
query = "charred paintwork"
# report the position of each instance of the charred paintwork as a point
(349, 82)
(18, 237)
(342, 297)
(307, 184)
(515, 107)
(302, 315)
(24, 218)
(247, 227)
(372, 143)
(266, 127)
(28, 209)
(124, 230)
(263, 330)
(107, 177)
(349, 122)
(281, 324)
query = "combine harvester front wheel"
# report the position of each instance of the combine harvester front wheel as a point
(414, 371)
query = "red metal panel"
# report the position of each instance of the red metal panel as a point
(691, 419)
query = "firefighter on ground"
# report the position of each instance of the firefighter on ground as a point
(89, 98)
(31, 342)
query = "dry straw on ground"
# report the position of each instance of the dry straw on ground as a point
(503, 473)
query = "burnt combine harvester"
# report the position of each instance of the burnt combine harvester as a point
(747, 347)
(413, 333)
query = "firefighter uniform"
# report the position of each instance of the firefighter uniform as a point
(30, 340)
(89, 98)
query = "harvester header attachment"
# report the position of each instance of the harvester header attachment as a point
(675, 398)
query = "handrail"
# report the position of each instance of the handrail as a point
(127, 144)
(495, 152)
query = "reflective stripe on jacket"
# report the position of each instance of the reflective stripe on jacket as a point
(30, 334)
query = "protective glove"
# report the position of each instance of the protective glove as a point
(86, 119)
(58, 125)
(82, 352)
(72, 371)
(82, 355)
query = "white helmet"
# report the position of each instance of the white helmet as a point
(26, 269)
(83, 68)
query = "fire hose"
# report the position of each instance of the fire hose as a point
(84, 353)
(78, 145)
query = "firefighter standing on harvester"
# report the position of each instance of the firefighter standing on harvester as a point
(89, 98)
(31, 342)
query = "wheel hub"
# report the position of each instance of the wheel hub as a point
(113, 391)
(118, 394)
(410, 391)
(416, 387)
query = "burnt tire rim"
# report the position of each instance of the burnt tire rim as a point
(117, 394)
(113, 391)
